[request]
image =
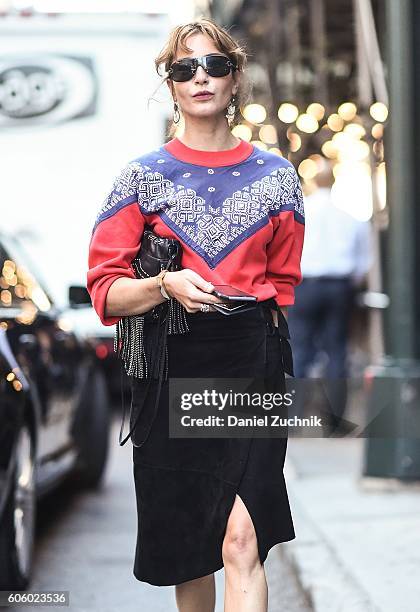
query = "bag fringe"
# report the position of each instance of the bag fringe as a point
(177, 318)
(129, 342)
(129, 345)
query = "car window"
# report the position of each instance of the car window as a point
(19, 288)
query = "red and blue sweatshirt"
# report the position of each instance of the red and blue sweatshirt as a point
(238, 214)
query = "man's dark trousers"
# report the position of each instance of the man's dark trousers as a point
(319, 320)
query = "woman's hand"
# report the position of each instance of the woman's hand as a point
(190, 289)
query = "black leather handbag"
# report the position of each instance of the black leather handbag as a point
(156, 254)
(140, 340)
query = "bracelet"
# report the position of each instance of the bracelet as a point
(164, 291)
(159, 280)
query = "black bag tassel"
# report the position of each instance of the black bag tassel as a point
(177, 318)
(129, 345)
(129, 342)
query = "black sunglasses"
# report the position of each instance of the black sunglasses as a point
(215, 65)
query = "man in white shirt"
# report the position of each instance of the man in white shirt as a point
(335, 259)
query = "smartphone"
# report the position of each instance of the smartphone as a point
(229, 293)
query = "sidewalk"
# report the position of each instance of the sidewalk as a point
(357, 545)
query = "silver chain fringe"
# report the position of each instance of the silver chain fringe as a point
(129, 342)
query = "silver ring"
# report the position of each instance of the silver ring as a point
(205, 307)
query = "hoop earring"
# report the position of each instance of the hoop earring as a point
(177, 115)
(230, 115)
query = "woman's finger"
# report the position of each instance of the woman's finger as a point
(200, 282)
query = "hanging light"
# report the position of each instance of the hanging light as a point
(342, 140)
(242, 131)
(355, 129)
(378, 131)
(268, 134)
(347, 111)
(255, 113)
(295, 141)
(308, 169)
(379, 112)
(307, 123)
(288, 113)
(316, 110)
(6, 297)
(335, 122)
(329, 149)
(357, 151)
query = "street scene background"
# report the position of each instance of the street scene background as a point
(336, 92)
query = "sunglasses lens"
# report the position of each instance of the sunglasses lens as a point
(218, 66)
(182, 72)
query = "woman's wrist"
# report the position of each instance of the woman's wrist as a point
(165, 288)
(160, 283)
(167, 283)
(128, 296)
(152, 295)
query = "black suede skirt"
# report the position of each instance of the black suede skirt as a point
(186, 487)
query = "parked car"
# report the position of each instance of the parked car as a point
(54, 409)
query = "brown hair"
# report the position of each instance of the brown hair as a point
(225, 44)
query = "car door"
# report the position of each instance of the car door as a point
(48, 354)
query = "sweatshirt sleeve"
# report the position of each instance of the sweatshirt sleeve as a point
(115, 239)
(284, 251)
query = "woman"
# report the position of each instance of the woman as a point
(238, 213)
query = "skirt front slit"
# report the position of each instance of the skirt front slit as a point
(186, 487)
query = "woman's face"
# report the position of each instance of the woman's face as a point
(221, 88)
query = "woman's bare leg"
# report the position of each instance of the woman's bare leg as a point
(245, 581)
(197, 595)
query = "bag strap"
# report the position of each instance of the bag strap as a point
(159, 388)
(158, 358)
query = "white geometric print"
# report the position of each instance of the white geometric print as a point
(292, 191)
(124, 188)
(154, 191)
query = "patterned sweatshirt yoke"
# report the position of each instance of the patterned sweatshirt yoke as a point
(239, 214)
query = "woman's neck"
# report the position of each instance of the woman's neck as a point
(207, 138)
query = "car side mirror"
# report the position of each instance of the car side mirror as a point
(78, 295)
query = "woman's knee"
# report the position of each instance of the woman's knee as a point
(240, 545)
